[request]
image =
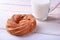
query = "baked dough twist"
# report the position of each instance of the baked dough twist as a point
(21, 24)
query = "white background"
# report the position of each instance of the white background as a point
(49, 30)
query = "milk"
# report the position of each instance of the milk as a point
(40, 9)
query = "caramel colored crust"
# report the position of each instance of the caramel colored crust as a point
(21, 24)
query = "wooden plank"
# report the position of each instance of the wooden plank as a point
(4, 35)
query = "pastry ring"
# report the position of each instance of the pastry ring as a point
(21, 24)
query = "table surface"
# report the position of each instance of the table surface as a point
(46, 30)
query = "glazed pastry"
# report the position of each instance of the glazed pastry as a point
(21, 24)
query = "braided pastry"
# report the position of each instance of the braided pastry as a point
(21, 24)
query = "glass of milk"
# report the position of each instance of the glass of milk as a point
(40, 9)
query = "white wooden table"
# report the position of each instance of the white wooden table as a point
(49, 30)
